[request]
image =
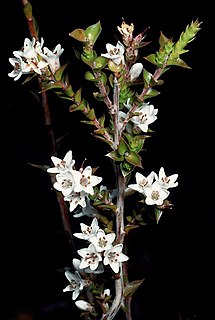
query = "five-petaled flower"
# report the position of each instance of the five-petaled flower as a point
(115, 53)
(76, 284)
(61, 165)
(87, 231)
(114, 257)
(90, 257)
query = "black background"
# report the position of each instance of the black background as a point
(176, 256)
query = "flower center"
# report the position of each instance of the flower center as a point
(85, 181)
(91, 257)
(155, 195)
(66, 183)
(113, 256)
(102, 242)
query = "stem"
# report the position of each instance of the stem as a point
(116, 113)
(120, 232)
(156, 76)
(51, 140)
(128, 298)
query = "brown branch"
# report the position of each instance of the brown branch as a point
(48, 124)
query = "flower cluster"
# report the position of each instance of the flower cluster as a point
(100, 249)
(154, 187)
(75, 185)
(77, 284)
(34, 58)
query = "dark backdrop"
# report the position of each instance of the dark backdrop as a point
(176, 256)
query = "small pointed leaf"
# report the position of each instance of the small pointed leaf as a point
(123, 147)
(89, 76)
(132, 287)
(100, 62)
(163, 40)
(158, 214)
(115, 156)
(178, 62)
(78, 34)
(58, 74)
(134, 159)
(93, 31)
(91, 115)
(151, 58)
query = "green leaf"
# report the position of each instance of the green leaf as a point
(50, 85)
(104, 140)
(163, 40)
(91, 115)
(88, 122)
(158, 214)
(38, 166)
(98, 96)
(152, 93)
(28, 11)
(100, 62)
(137, 143)
(126, 168)
(77, 97)
(131, 227)
(90, 76)
(123, 147)
(177, 62)
(101, 120)
(146, 77)
(134, 159)
(100, 131)
(58, 74)
(151, 58)
(103, 78)
(115, 156)
(114, 67)
(88, 57)
(93, 31)
(78, 34)
(132, 287)
(69, 92)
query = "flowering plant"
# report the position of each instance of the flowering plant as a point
(99, 275)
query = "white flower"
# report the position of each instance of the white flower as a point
(19, 67)
(142, 182)
(135, 71)
(75, 199)
(147, 115)
(155, 194)
(102, 241)
(28, 59)
(84, 305)
(87, 210)
(166, 181)
(114, 257)
(115, 53)
(62, 165)
(65, 183)
(87, 231)
(52, 57)
(90, 257)
(76, 264)
(28, 51)
(76, 283)
(85, 181)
